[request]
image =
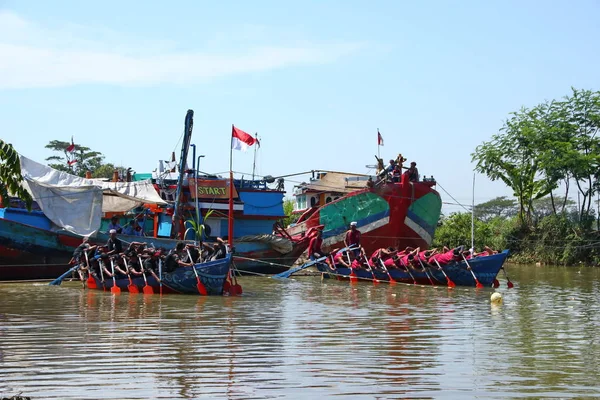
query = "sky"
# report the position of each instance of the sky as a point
(314, 79)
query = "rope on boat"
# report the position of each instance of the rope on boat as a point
(260, 261)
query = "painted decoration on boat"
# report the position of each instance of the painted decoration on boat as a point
(423, 214)
(370, 210)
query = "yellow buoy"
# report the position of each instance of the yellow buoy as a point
(496, 298)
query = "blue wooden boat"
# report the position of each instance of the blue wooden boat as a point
(485, 269)
(212, 274)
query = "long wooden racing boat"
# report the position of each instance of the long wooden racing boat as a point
(485, 269)
(212, 274)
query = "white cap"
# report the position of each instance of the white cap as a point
(112, 231)
(352, 223)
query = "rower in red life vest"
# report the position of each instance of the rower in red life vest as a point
(383, 254)
(446, 257)
(352, 238)
(314, 247)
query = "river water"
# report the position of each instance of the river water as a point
(307, 338)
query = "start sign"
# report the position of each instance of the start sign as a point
(210, 189)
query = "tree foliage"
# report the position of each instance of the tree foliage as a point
(549, 146)
(497, 207)
(10, 176)
(87, 160)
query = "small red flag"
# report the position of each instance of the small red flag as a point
(71, 162)
(71, 146)
(379, 139)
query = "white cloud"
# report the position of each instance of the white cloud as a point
(34, 57)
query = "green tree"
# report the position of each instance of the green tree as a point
(104, 171)
(87, 160)
(497, 207)
(10, 176)
(288, 209)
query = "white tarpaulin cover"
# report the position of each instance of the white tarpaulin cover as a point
(77, 204)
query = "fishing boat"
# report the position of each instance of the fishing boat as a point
(483, 270)
(387, 213)
(39, 244)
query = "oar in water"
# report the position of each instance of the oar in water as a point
(290, 272)
(392, 280)
(353, 277)
(508, 282)
(375, 280)
(450, 283)
(91, 282)
(114, 289)
(131, 287)
(477, 283)
(236, 288)
(199, 284)
(425, 270)
(147, 289)
(59, 280)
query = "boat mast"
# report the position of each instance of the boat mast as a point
(254, 163)
(473, 219)
(177, 231)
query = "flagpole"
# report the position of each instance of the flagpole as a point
(254, 163)
(230, 217)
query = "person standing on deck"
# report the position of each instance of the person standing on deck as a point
(352, 238)
(314, 247)
(114, 224)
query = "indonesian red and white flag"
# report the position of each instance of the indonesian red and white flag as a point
(71, 147)
(72, 162)
(240, 140)
(379, 139)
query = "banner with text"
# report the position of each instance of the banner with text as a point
(210, 189)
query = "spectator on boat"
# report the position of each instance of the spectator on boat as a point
(400, 161)
(370, 183)
(114, 244)
(175, 259)
(133, 229)
(413, 172)
(396, 174)
(314, 246)
(352, 238)
(114, 224)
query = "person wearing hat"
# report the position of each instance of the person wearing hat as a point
(114, 245)
(314, 247)
(352, 238)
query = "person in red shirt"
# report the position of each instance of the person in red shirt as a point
(314, 246)
(353, 238)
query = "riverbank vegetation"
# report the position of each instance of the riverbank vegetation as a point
(547, 155)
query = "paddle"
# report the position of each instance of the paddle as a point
(408, 270)
(91, 282)
(391, 280)
(290, 272)
(59, 280)
(450, 283)
(425, 270)
(147, 289)
(375, 280)
(353, 278)
(160, 275)
(199, 285)
(236, 288)
(477, 283)
(114, 289)
(131, 287)
(508, 282)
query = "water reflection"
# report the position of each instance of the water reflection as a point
(306, 338)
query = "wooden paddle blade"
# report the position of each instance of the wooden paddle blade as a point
(478, 285)
(115, 289)
(148, 290)
(201, 289)
(451, 284)
(226, 286)
(238, 289)
(133, 289)
(496, 283)
(91, 283)
(510, 284)
(392, 281)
